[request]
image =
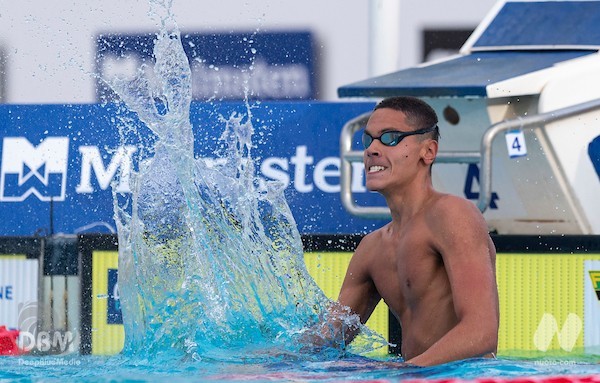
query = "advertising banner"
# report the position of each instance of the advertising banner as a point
(107, 337)
(18, 289)
(549, 302)
(592, 306)
(225, 66)
(58, 162)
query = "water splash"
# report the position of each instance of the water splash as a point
(210, 259)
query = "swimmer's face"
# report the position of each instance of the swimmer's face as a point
(395, 149)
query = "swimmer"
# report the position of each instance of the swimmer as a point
(434, 263)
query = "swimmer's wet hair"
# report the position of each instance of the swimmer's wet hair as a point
(419, 114)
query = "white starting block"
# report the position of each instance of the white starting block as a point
(519, 112)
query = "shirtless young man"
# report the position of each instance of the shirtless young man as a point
(434, 263)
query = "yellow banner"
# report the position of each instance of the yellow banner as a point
(107, 339)
(541, 300)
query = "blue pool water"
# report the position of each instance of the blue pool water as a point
(276, 369)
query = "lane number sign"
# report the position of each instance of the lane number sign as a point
(515, 143)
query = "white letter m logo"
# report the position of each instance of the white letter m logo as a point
(39, 170)
(567, 336)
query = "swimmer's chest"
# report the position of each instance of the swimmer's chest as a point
(406, 266)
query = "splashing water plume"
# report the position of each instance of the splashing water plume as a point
(210, 260)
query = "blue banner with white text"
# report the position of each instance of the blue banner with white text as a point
(254, 65)
(59, 162)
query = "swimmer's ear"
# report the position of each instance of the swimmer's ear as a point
(429, 151)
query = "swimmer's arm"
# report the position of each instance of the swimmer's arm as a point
(358, 291)
(358, 296)
(464, 243)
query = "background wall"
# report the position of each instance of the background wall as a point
(47, 48)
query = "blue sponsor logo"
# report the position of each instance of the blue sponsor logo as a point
(113, 307)
(6, 293)
(471, 180)
(594, 153)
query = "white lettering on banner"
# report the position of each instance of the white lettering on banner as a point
(268, 169)
(300, 160)
(264, 80)
(358, 179)
(91, 159)
(278, 168)
(39, 170)
(321, 174)
(42, 170)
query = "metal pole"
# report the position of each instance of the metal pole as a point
(347, 157)
(384, 29)
(485, 170)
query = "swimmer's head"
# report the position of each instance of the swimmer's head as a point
(419, 115)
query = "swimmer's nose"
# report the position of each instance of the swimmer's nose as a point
(373, 149)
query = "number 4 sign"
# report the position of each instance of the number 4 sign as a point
(515, 142)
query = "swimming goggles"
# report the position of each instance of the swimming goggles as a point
(393, 138)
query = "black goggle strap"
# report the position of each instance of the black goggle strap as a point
(367, 139)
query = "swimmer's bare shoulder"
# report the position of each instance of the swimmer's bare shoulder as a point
(373, 238)
(447, 211)
(459, 228)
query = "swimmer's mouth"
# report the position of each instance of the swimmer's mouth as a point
(376, 168)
